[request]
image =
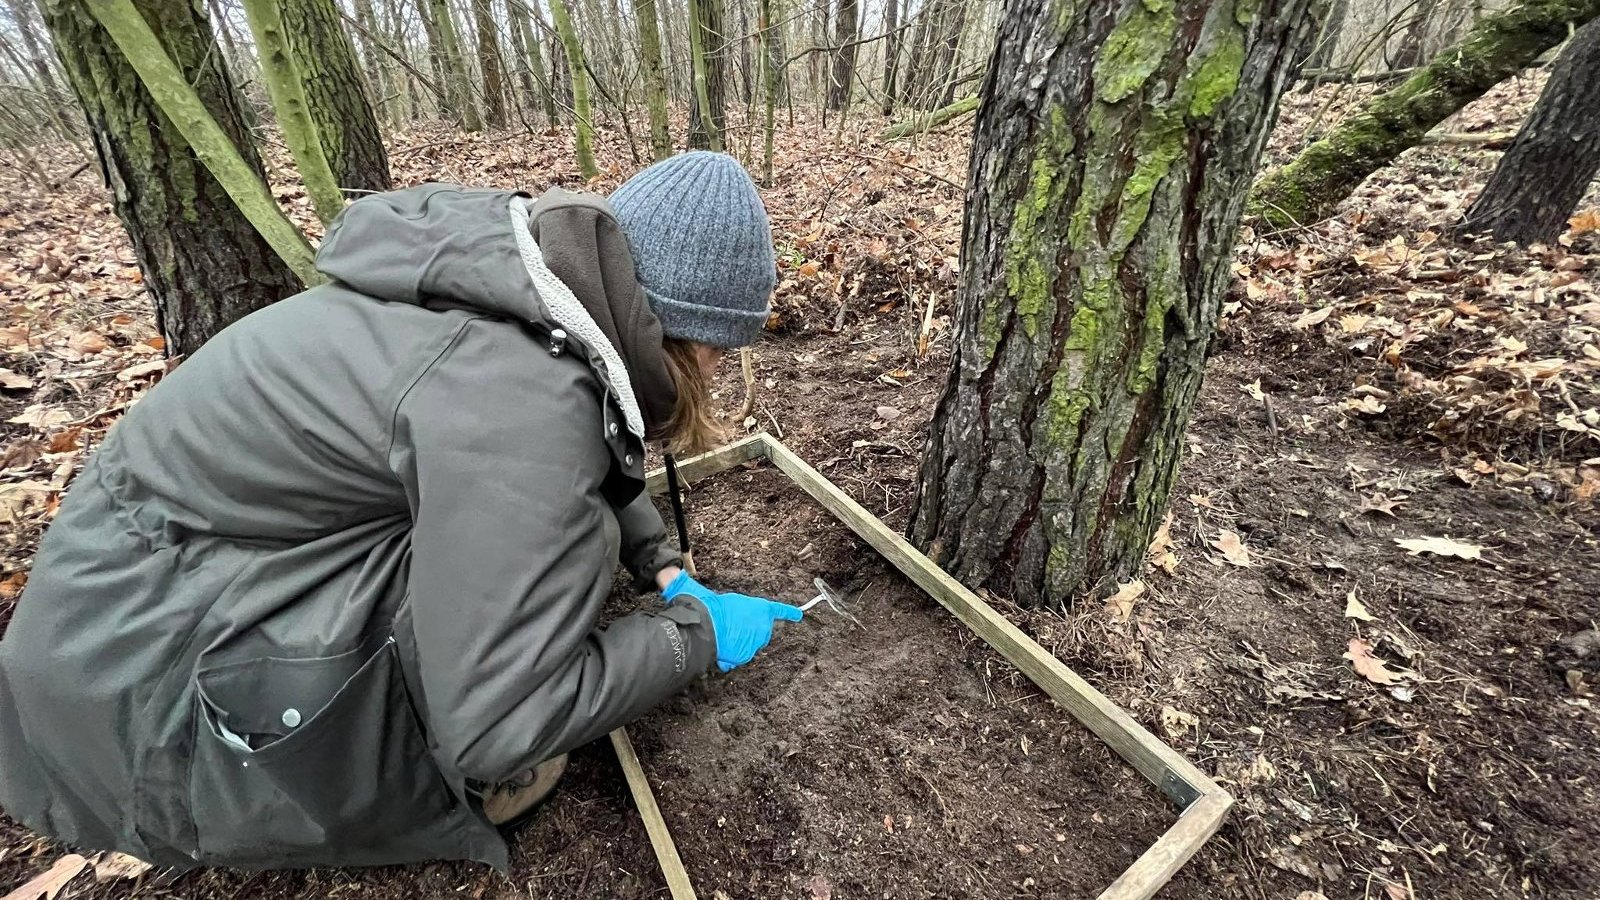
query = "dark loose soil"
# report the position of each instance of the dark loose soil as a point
(897, 757)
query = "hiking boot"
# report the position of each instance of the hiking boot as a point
(510, 803)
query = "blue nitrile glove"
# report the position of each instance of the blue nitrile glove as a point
(742, 625)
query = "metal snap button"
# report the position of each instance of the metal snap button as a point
(291, 717)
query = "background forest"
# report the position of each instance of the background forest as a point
(1366, 600)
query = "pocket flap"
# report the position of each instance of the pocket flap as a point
(260, 701)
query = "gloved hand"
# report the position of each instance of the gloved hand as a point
(742, 625)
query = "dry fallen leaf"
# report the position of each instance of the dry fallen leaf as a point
(1160, 552)
(115, 866)
(1354, 608)
(1315, 317)
(1371, 667)
(49, 883)
(1254, 390)
(1379, 503)
(1176, 722)
(41, 417)
(1588, 220)
(1120, 604)
(14, 337)
(14, 381)
(140, 370)
(1233, 549)
(87, 342)
(11, 587)
(1440, 546)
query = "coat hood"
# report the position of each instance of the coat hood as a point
(560, 263)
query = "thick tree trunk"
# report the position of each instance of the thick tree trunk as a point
(845, 32)
(1109, 162)
(655, 83)
(335, 98)
(494, 87)
(891, 53)
(1308, 188)
(707, 130)
(583, 125)
(453, 72)
(287, 88)
(204, 264)
(1555, 157)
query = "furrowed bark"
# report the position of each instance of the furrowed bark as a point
(1543, 176)
(1110, 158)
(706, 117)
(169, 134)
(845, 32)
(335, 97)
(1308, 188)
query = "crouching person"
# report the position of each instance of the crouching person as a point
(329, 594)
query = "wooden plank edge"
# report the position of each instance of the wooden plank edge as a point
(1166, 768)
(1162, 860)
(655, 826)
(710, 463)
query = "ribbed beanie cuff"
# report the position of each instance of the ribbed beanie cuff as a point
(714, 325)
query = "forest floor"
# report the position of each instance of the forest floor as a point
(1366, 617)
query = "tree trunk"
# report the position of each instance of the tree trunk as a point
(494, 88)
(846, 29)
(1556, 155)
(1109, 162)
(655, 84)
(925, 121)
(1324, 51)
(535, 82)
(326, 63)
(891, 53)
(769, 84)
(287, 88)
(1413, 43)
(371, 63)
(1308, 188)
(746, 79)
(583, 125)
(204, 264)
(706, 111)
(22, 18)
(452, 65)
(949, 55)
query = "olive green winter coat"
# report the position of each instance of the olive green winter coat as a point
(346, 562)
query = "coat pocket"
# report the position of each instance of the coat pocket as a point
(313, 762)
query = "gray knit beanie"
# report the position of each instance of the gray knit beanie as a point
(702, 247)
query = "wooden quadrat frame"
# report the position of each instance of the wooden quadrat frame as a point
(1203, 804)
